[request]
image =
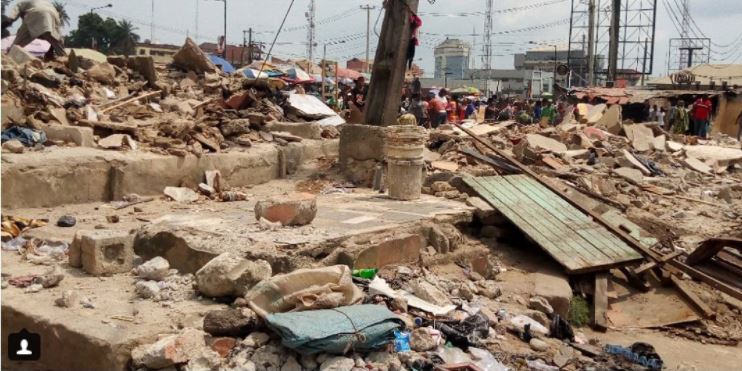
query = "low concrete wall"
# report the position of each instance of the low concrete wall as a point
(79, 175)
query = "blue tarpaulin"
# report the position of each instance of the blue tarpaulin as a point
(221, 62)
(361, 328)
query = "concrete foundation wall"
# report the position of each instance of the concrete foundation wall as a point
(79, 175)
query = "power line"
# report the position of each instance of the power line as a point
(494, 11)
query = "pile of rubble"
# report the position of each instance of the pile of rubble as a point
(131, 102)
(690, 185)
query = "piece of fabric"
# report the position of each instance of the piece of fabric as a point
(26, 136)
(680, 121)
(305, 289)
(359, 328)
(39, 17)
(701, 109)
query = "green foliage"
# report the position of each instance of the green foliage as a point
(579, 312)
(108, 36)
(64, 18)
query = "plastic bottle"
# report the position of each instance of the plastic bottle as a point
(368, 273)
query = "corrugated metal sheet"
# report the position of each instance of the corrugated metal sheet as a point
(568, 235)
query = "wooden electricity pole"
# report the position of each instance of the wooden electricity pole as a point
(387, 78)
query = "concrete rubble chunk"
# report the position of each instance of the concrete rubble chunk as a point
(629, 160)
(191, 58)
(79, 135)
(538, 345)
(555, 288)
(641, 137)
(291, 364)
(256, 340)
(428, 292)
(294, 209)
(697, 165)
(13, 146)
(170, 350)
(421, 340)
(674, 146)
(181, 194)
(545, 143)
(611, 120)
(540, 304)
(207, 360)
(231, 275)
(147, 289)
(102, 72)
(117, 141)
(659, 142)
(338, 364)
(19, 55)
(633, 176)
(155, 269)
(230, 322)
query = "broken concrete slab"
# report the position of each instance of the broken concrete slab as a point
(659, 142)
(697, 165)
(720, 155)
(181, 194)
(628, 159)
(117, 141)
(632, 175)
(544, 143)
(191, 58)
(641, 137)
(306, 130)
(170, 350)
(555, 288)
(611, 120)
(673, 146)
(445, 165)
(398, 249)
(309, 106)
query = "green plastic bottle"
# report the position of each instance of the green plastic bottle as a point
(368, 273)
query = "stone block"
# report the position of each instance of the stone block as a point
(396, 250)
(104, 252)
(19, 55)
(80, 135)
(292, 209)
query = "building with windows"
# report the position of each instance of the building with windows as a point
(162, 53)
(451, 59)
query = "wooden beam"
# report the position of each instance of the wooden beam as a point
(635, 280)
(130, 100)
(647, 252)
(384, 91)
(649, 265)
(686, 292)
(600, 301)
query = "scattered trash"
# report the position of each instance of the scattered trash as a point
(639, 353)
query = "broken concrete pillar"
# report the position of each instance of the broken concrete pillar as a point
(102, 252)
(361, 148)
(292, 209)
(191, 58)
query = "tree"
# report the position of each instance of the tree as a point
(64, 18)
(107, 36)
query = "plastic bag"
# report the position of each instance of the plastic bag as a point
(486, 361)
(401, 341)
(467, 332)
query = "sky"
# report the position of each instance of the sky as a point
(344, 20)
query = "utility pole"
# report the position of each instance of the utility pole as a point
(368, 9)
(225, 30)
(384, 92)
(487, 65)
(644, 64)
(195, 36)
(591, 44)
(614, 35)
(152, 23)
(310, 33)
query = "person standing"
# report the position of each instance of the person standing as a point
(416, 108)
(701, 115)
(537, 111)
(660, 115)
(671, 115)
(40, 20)
(680, 120)
(438, 109)
(549, 113)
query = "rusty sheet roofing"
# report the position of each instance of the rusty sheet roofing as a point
(569, 236)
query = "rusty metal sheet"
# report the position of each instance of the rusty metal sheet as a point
(568, 235)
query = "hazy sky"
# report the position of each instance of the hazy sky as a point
(721, 20)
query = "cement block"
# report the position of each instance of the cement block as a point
(80, 135)
(307, 130)
(554, 287)
(396, 250)
(361, 142)
(104, 252)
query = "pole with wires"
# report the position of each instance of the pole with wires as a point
(368, 9)
(270, 50)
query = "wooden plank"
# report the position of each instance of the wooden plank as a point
(649, 265)
(711, 247)
(686, 292)
(567, 260)
(606, 243)
(636, 280)
(648, 252)
(600, 301)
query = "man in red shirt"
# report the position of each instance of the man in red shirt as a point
(701, 115)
